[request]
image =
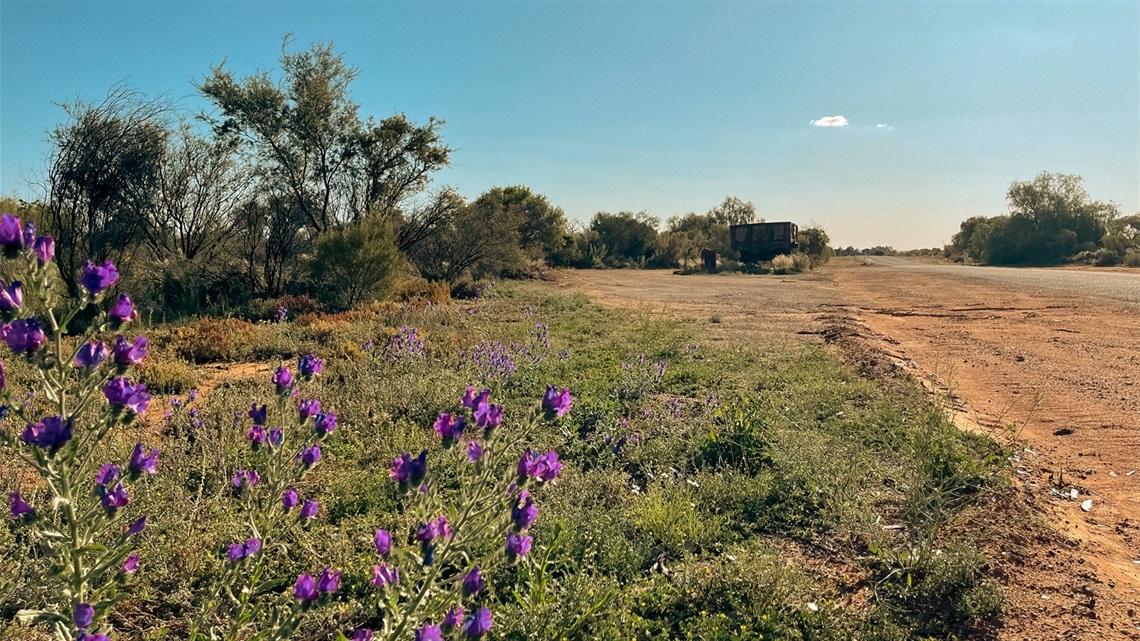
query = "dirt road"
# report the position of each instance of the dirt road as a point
(1047, 357)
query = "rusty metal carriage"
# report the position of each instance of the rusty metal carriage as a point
(763, 241)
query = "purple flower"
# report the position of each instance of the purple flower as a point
(107, 474)
(83, 636)
(256, 435)
(90, 355)
(473, 582)
(252, 546)
(329, 581)
(542, 468)
(18, 506)
(309, 365)
(140, 462)
(121, 394)
(246, 477)
(309, 408)
(385, 574)
(115, 497)
(44, 249)
(406, 469)
(122, 311)
(518, 545)
(362, 635)
(24, 336)
(305, 589)
(127, 354)
(29, 233)
(477, 624)
(325, 423)
(235, 552)
(449, 428)
(289, 499)
(96, 278)
(136, 527)
(383, 542)
(131, 564)
(51, 433)
(84, 615)
(488, 416)
(453, 618)
(11, 297)
(309, 510)
(258, 415)
(472, 401)
(283, 379)
(310, 455)
(474, 451)
(556, 403)
(426, 532)
(429, 633)
(11, 237)
(275, 437)
(523, 513)
(2, 381)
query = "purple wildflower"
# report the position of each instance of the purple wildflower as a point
(385, 574)
(83, 636)
(136, 527)
(19, 508)
(235, 552)
(524, 512)
(246, 477)
(473, 582)
(24, 335)
(115, 497)
(97, 278)
(383, 542)
(127, 354)
(83, 616)
(518, 545)
(474, 451)
(329, 581)
(305, 589)
(309, 408)
(44, 249)
(310, 365)
(450, 428)
(131, 564)
(325, 423)
(283, 379)
(429, 633)
(122, 311)
(362, 634)
(477, 624)
(29, 236)
(123, 395)
(309, 509)
(289, 499)
(488, 415)
(90, 355)
(11, 297)
(140, 462)
(51, 433)
(472, 401)
(542, 468)
(556, 403)
(310, 455)
(256, 435)
(258, 415)
(11, 238)
(107, 474)
(453, 618)
(406, 469)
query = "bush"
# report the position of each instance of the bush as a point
(355, 263)
(1132, 258)
(173, 376)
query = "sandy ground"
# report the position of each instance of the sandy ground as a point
(1042, 358)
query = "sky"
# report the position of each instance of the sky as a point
(887, 123)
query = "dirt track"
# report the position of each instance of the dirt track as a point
(1060, 366)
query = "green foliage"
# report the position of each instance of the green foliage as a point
(814, 242)
(168, 376)
(629, 238)
(354, 264)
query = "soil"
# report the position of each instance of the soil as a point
(1051, 371)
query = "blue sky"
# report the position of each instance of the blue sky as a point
(660, 106)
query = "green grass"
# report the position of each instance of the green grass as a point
(758, 479)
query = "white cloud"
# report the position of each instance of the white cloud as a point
(830, 121)
(882, 126)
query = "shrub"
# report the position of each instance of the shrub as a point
(354, 264)
(213, 340)
(173, 376)
(1132, 258)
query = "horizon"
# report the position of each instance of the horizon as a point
(887, 124)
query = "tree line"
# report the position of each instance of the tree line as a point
(284, 188)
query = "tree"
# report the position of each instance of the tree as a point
(627, 236)
(309, 139)
(103, 177)
(354, 263)
(541, 226)
(814, 242)
(734, 211)
(1051, 218)
(478, 239)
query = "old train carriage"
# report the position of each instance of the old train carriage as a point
(763, 241)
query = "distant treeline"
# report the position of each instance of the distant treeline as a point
(1051, 221)
(284, 189)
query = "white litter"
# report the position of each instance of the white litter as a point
(1073, 493)
(813, 607)
(1087, 505)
